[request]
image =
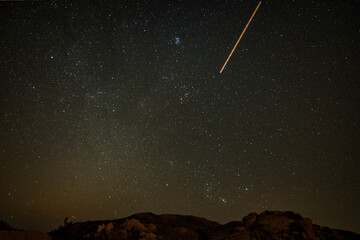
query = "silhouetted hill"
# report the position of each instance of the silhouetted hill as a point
(148, 226)
(9, 233)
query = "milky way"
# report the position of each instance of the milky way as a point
(111, 108)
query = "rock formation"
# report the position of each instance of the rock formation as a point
(148, 226)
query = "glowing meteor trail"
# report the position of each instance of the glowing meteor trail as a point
(240, 36)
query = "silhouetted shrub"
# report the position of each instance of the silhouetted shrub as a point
(5, 226)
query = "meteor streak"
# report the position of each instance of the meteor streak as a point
(240, 36)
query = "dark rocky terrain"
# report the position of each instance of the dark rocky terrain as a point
(148, 226)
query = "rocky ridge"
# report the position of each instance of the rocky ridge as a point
(148, 226)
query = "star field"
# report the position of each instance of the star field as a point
(111, 108)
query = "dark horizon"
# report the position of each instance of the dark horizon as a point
(68, 221)
(112, 108)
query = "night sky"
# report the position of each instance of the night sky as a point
(111, 108)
